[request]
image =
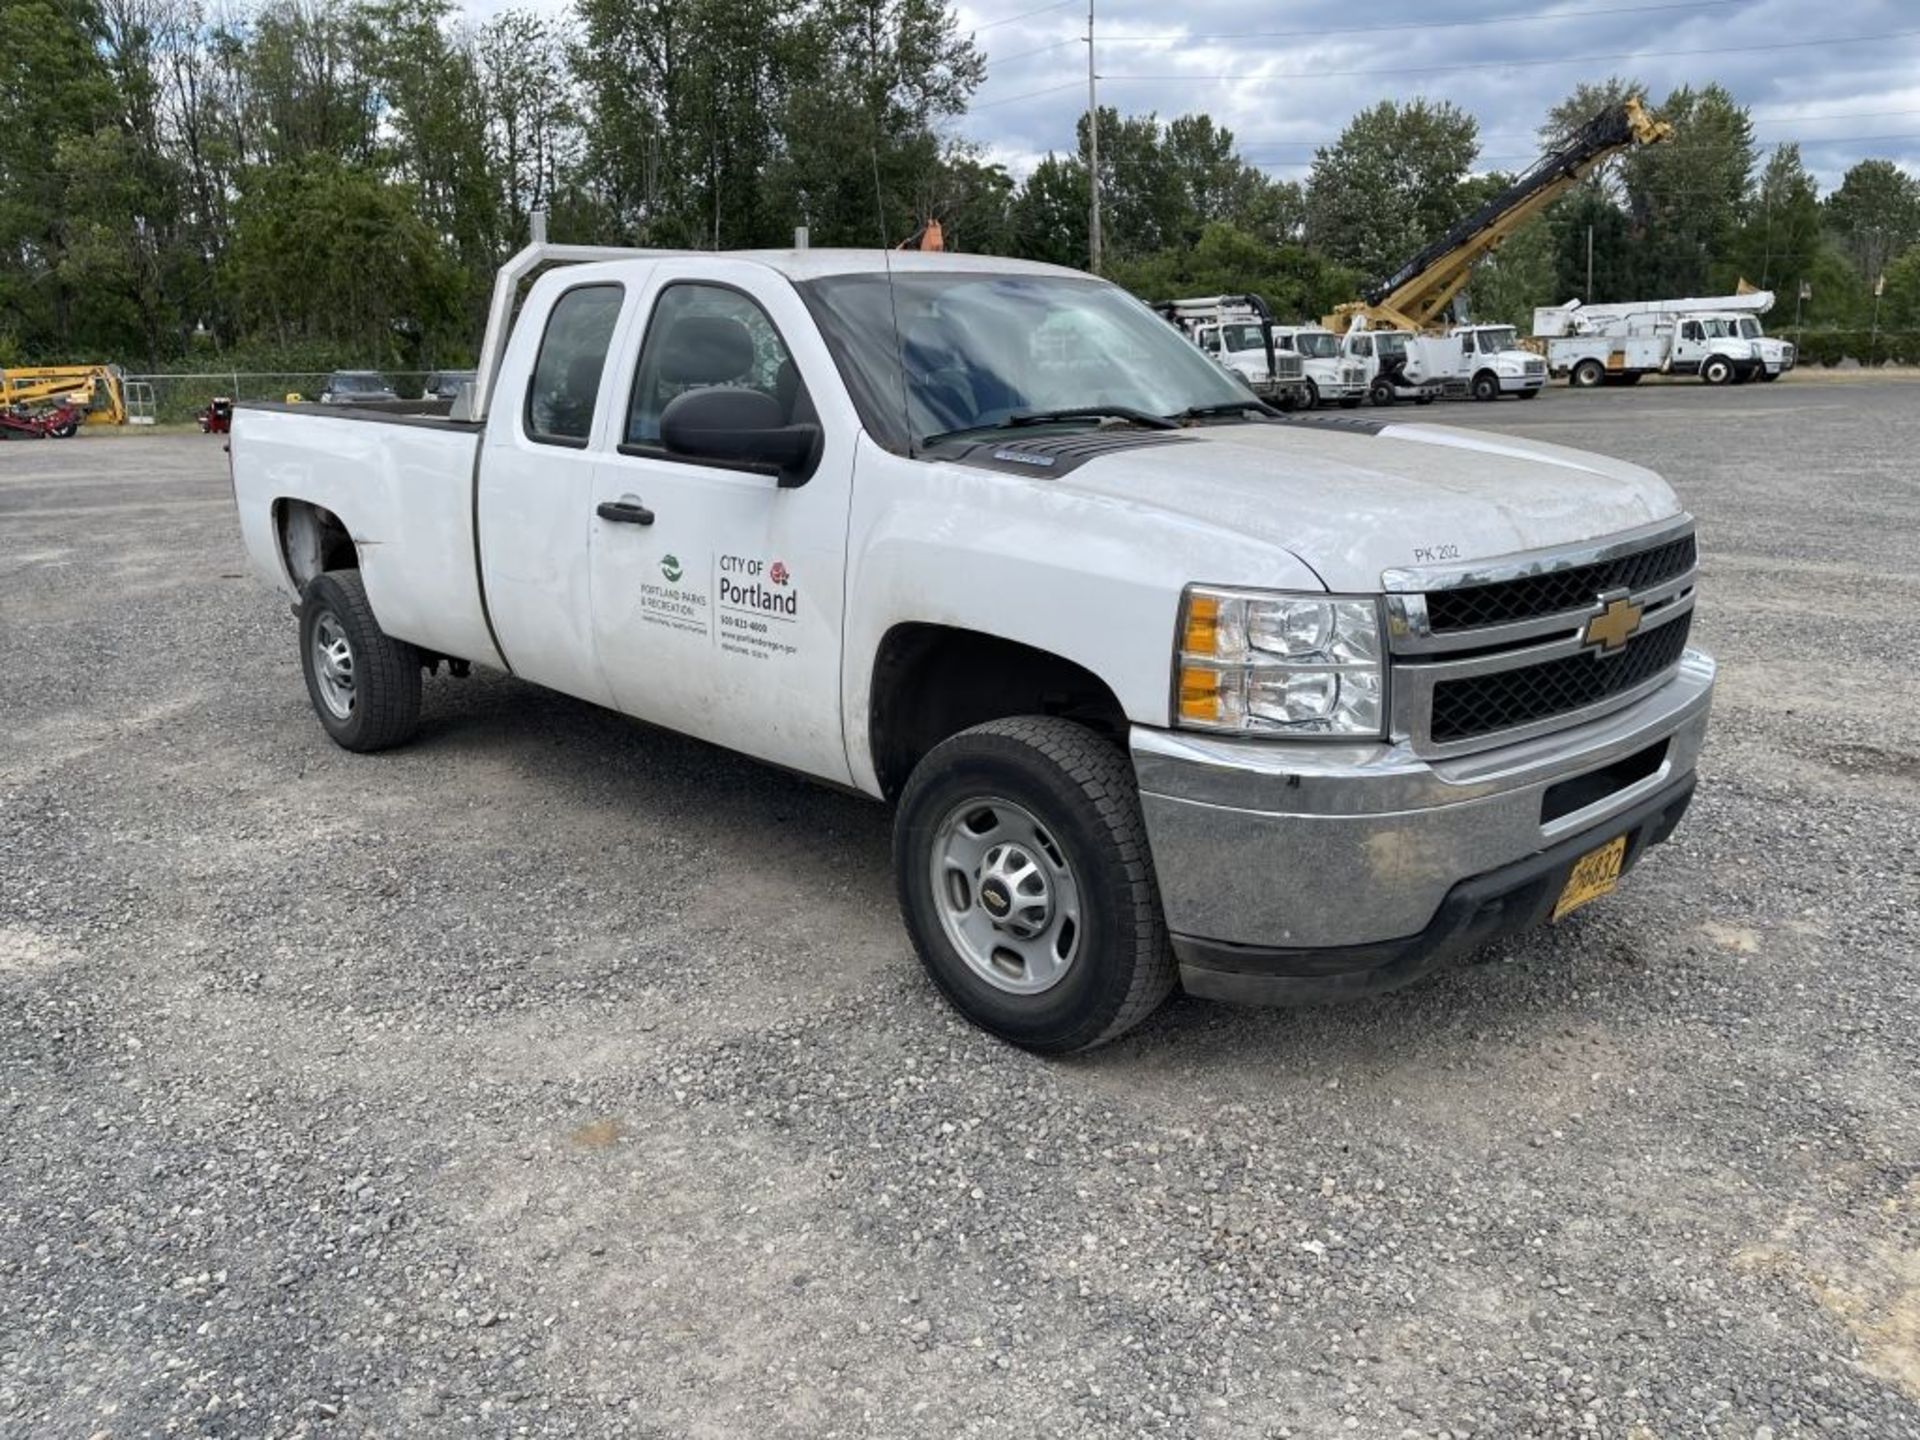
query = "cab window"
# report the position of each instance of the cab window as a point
(707, 335)
(566, 373)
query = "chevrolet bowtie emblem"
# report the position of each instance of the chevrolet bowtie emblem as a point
(1609, 631)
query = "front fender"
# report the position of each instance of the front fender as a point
(1092, 579)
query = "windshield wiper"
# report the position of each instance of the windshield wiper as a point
(1044, 417)
(1230, 407)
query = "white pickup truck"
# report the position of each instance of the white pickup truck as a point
(1164, 687)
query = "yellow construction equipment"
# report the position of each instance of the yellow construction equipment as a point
(1416, 296)
(96, 389)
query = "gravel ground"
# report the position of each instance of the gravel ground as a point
(558, 1076)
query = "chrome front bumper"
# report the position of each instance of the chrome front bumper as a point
(1312, 849)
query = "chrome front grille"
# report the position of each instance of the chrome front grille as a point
(1536, 367)
(1288, 366)
(1499, 651)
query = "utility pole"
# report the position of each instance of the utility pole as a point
(1093, 149)
(1589, 295)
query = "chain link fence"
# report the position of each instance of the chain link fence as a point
(182, 397)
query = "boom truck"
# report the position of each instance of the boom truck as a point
(1163, 687)
(1682, 336)
(1238, 332)
(96, 393)
(1416, 300)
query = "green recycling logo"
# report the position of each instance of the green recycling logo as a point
(670, 567)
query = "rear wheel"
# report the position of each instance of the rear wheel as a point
(1486, 386)
(1026, 883)
(1587, 375)
(364, 684)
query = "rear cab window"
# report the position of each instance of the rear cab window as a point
(566, 373)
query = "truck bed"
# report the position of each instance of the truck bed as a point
(403, 486)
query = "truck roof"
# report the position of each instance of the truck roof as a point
(815, 264)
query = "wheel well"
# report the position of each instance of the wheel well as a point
(312, 540)
(1485, 374)
(933, 681)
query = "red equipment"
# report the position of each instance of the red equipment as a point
(59, 423)
(217, 418)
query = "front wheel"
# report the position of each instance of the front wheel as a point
(365, 685)
(1312, 402)
(1026, 883)
(1380, 393)
(1717, 371)
(1486, 386)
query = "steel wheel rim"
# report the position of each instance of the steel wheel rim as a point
(1008, 900)
(333, 664)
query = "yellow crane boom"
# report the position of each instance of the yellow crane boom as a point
(1416, 296)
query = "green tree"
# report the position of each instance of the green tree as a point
(1297, 283)
(1902, 301)
(1686, 197)
(1050, 214)
(1776, 245)
(1390, 183)
(1875, 214)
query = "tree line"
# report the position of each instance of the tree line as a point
(333, 181)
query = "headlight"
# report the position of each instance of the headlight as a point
(1261, 662)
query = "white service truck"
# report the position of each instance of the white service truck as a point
(1617, 344)
(1741, 310)
(1401, 364)
(1333, 377)
(1238, 332)
(1163, 687)
(1492, 364)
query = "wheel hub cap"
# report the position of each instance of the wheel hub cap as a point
(333, 664)
(1008, 900)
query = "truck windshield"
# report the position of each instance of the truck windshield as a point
(1750, 329)
(1317, 344)
(978, 349)
(1244, 337)
(1492, 342)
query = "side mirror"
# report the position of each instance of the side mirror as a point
(740, 427)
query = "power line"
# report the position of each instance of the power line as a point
(1023, 15)
(1682, 148)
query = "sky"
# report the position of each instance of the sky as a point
(1285, 78)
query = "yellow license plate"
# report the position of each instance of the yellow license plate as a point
(1596, 873)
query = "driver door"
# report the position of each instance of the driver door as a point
(717, 592)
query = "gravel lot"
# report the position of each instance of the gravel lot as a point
(558, 1076)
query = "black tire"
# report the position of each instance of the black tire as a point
(1080, 788)
(1289, 400)
(384, 700)
(1716, 370)
(1486, 386)
(1312, 402)
(1767, 376)
(1587, 375)
(1380, 393)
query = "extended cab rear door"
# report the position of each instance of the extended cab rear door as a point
(720, 613)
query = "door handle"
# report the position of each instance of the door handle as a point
(623, 512)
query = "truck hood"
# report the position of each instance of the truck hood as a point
(1352, 502)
